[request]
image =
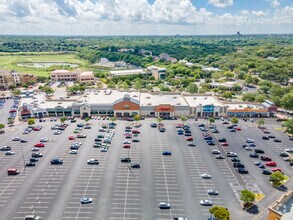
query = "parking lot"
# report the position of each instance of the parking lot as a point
(121, 192)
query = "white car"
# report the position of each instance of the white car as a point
(213, 192)
(164, 205)
(126, 142)
(206, 202)
(35, 149)
(104, 149)
(16, 139)
(288, 159)
(77, 143)
(216, 152)
(9, 152)
(93, 161)
(289, 150)
(57, 132)
(206, 176)
(86, 200)
(248, 148)
(44, 139)
(73, 152)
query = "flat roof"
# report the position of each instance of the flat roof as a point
(243, 106)
(195, 101)
(153, 99)
(105, 97)
(126, 72)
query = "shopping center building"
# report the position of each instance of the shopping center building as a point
(127, 104)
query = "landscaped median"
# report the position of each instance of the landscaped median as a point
(280, 183)
(259, 196)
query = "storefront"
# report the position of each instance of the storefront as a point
(253, 113)
(126, 107)
(164, 111)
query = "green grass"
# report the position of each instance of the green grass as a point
(8, 61)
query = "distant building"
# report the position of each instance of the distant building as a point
(6, 79)
(69, 76)
(157, 72)
(126, 72)
(270, 106)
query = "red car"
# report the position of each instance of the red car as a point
(238, 129)
(12, 110)
(224, 144)
(179, 125)
(271, 164)
(37, 128)
(265, 158)
(189, 139)
(135, 132)
(126, 145)
(71, 137)
(39, 145)
(276, 169)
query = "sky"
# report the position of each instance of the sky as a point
(145, 17)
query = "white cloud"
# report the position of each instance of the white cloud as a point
(275, 3)
(88, 17)
(259, 13)
(221, 3)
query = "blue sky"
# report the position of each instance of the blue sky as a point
(145, 17)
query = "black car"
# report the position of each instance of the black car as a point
(97, 145)
(271, 136)
(259, 151)
(266, 172)
(23, 141)
(135, 165)
(222, 140)
(125, 160)
(5, 148)
(30, 164)
(265, 138)
(33, 160)
(56, 161)
(74, 147)
(242, 171)
(235, 160)
(98, 139)
(191, 144)
(253, 155)
(220, 156)
(277, 140)
(154, 125)
(162, 129)
(238, 165)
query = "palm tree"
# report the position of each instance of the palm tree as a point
(2, 126)
(63, 119)
(159, 120)
(31, 121)
(235, 120)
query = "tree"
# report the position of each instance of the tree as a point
(137, 117)
(48, 90)
(287, 101)
(16, 92)
(227, 95)
(277, 178)
(192, 88)
(211, 120)
(112, 119)
(137, 85)
(249, 80)
(228, 74)
(2, 126)
(159, 120)
(249, 97)
(63, 119)
(87, 119)
(288, 126)
(10, 121)
(31, 121)
(234, 120)
(247, 197)
(183, 119)
(260, 122)
(220, 213)
(260, 98)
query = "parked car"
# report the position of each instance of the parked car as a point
(30, 164)
(253, 155)
(164, 205)
(206, 176)
(213, 192)
(271, 164)
(265, 158)
(206, 202)
(56, 161)
(242, 171)
(166, 153)
(86, 200)
(266, 172)
(135, 165)
(37, 155)
(5, 148)
(39, 145)
(125, 160)
(92, 162)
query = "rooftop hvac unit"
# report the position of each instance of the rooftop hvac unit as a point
(178, 103)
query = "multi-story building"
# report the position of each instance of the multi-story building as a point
(72, 76)
(157, 72)
(282, 209)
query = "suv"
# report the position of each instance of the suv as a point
(125, 160)
(238, 165)
(56, 161)
(13, 171)
(242, 170)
